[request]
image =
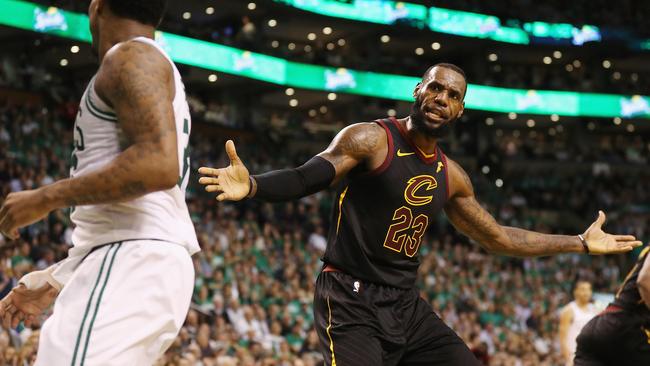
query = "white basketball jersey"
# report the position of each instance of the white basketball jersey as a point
(580, 318)
(161, 215)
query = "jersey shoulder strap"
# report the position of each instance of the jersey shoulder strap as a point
(155, 44)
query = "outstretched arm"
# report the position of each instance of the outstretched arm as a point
(361, 143)
(137, 81)
(470, 218)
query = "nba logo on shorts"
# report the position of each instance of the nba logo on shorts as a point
(356, 286)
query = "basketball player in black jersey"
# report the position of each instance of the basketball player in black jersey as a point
(394, 179)
(620, 335)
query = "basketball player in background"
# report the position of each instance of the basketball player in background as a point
(620, 335)
(393, 181)
(125, 289)
(573, 317)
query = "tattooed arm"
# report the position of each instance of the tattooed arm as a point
(137, 81)
(361, 143)
(470, 218)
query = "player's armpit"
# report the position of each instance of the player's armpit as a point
(360, 143)
(137, 81)
(643, 281)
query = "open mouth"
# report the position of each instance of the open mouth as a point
(435, 115)
(434, 109)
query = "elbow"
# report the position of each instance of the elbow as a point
(164, 175)
(496, 247)
(490, 248)
(168, 181)
(169, 175)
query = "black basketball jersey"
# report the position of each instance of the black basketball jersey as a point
(380, 217)
(628, 296)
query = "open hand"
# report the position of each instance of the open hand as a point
(24, 304)
(599, 242)
(233, 181)
(21, 209)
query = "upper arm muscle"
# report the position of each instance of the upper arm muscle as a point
(137, 81)
(467, 215)
(355, 144)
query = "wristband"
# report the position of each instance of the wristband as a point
(251, 181)
(585, 246)
(37, 279)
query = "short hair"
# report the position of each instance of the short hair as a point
(450, 67)
(144, 11)
(447, 66)
(580, 281)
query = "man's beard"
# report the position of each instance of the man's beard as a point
(417, 117)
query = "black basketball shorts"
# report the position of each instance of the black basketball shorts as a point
(361, 323)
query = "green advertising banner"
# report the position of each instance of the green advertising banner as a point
(275, 70)
(373, 11)
(462, 23)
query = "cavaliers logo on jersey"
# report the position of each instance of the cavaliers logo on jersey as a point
(418, 191)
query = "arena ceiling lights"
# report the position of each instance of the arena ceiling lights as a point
(211, 56)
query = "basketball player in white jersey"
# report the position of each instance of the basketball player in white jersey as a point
(573, 317)
(125, 289)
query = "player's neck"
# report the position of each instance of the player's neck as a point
(427, 144)
(122, 30)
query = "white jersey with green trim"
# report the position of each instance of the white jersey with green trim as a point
(162, 215)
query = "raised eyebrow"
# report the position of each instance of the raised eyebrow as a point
(455, 91)
(452, 89)
(433, 83)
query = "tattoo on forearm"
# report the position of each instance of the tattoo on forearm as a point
(467, 215)
(137, 81)
(129, 190)
(530, 243)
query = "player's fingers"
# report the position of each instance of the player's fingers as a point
(213, 188)
(6, 320)
(208, 180)
(8, 229)
(624, 237)
(4, 229)
(12, 235)
(631, 244)
(222, 197)
(3, 211)
(209, 171)
(601, 218)
(232, 152)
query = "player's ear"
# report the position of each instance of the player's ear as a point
(462, 110)
(99, 7)
(417, 90)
